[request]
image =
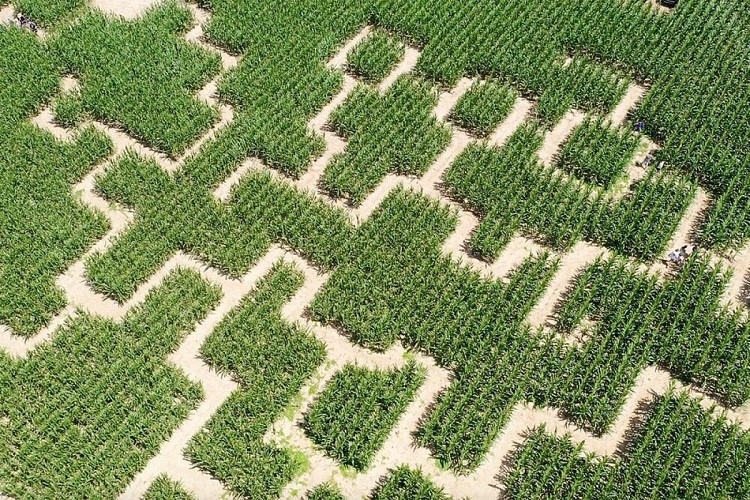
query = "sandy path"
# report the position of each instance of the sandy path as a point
(571, 264)
(286, 432)
(557, 136)
(515, 119)
(7, 14)
(409, 62)
(737, 293)
(339, 59)
(129, 9)
(217, 388)
(448, 100)
(632, 97)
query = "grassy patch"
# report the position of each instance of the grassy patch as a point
(404, 483)
(164, 488)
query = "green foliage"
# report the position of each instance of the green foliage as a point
(164, 488)
(46, 13)
(174, 213)
(354, 414)
(68, 109)
(597, 153)
(682, 451)
(697, 83)
(512, 191)
(484, 106)
(141, 75)
(271, 360)
(280, 83)
(375, 56)
(404, 483)
(395, 283)
(42, 227)
(325, 491)
(681, 324)
(84, 413)
(26, 82)
(392, 133)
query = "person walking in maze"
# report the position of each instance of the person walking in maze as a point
(647, 161)
(640, 126)
(684, 253)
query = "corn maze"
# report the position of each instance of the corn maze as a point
(377, 249)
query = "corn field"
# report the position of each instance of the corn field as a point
(378, 249)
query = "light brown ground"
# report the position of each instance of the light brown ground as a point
(129, 9)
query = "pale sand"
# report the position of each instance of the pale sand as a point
(515, 119)
(571, 264)
(409, 62)
(557, 136)
(448, 100)
(129, 9)
(632, 97)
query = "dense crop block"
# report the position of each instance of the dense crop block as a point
(681, 452)
(695, 61)
(46, 13)
(26, 82)
(84, 413)
(512, 191)
(354, 414)
(280, 83)
(164, 488)
(396, 283)
(325, 491)
(43, 229)
(375, 56)
(174, 213)
(271, 360)
(141, 76)
(484, 106)
(597, 153)
(681, 324)
(404, 483)
(394, 133)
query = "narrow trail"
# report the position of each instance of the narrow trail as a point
(557, 136)
(132, 9)
(170, 459)
(287, 432)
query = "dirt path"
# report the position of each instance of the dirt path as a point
(571, 264)
(632, 97)
(515, 119)
(738, 292)
(557, 136)
(448, 100)
(129, 9)
(408, 63)
(217, 388)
